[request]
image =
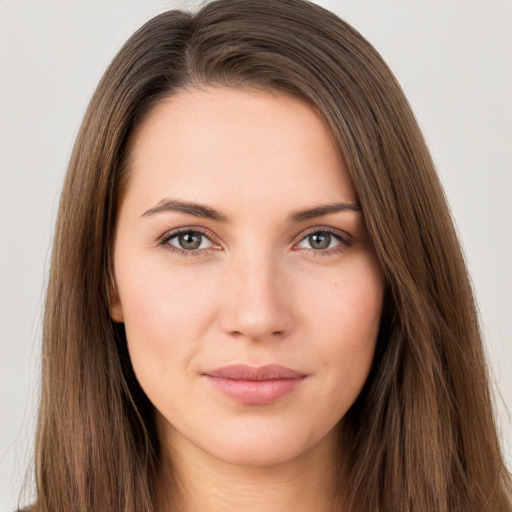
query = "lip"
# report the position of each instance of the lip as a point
(255, 385)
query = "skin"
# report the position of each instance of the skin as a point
(258, 289)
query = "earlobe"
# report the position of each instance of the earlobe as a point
(116, 312)
(115, 306)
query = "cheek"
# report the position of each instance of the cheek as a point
(348, 304)
(345, 320)
(165, 312)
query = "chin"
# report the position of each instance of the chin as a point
(258, 455)
(265, 448)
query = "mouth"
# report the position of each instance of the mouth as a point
(255, 385)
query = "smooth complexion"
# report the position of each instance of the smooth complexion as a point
(227, 261)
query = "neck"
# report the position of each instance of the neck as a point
(199, 481)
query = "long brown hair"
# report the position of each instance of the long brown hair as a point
(421, 436)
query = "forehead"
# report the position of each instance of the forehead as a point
(209, 144)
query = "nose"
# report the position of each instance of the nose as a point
(257, 299)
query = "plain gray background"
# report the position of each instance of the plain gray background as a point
(453, 59)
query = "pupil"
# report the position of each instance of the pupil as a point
(320, 241)
(190, 240)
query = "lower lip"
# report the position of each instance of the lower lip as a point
(255, 392)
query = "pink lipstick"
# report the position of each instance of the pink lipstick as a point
(255, 385)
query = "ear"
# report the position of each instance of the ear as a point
(114, 303)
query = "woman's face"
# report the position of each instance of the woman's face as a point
(240, 245)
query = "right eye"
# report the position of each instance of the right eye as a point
(187, 242)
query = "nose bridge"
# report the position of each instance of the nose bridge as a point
(255, 300)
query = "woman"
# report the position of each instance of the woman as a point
(257, 299)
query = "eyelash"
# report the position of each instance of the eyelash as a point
(345, 242)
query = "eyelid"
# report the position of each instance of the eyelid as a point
(343, 235)
(164, 240)
(345, 242)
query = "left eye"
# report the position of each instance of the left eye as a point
(321, 240)
(189, 241)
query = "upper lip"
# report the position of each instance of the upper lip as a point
(247, 372)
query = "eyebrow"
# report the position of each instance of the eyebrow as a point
(175, 205)
(319, 211)
(206, 212)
